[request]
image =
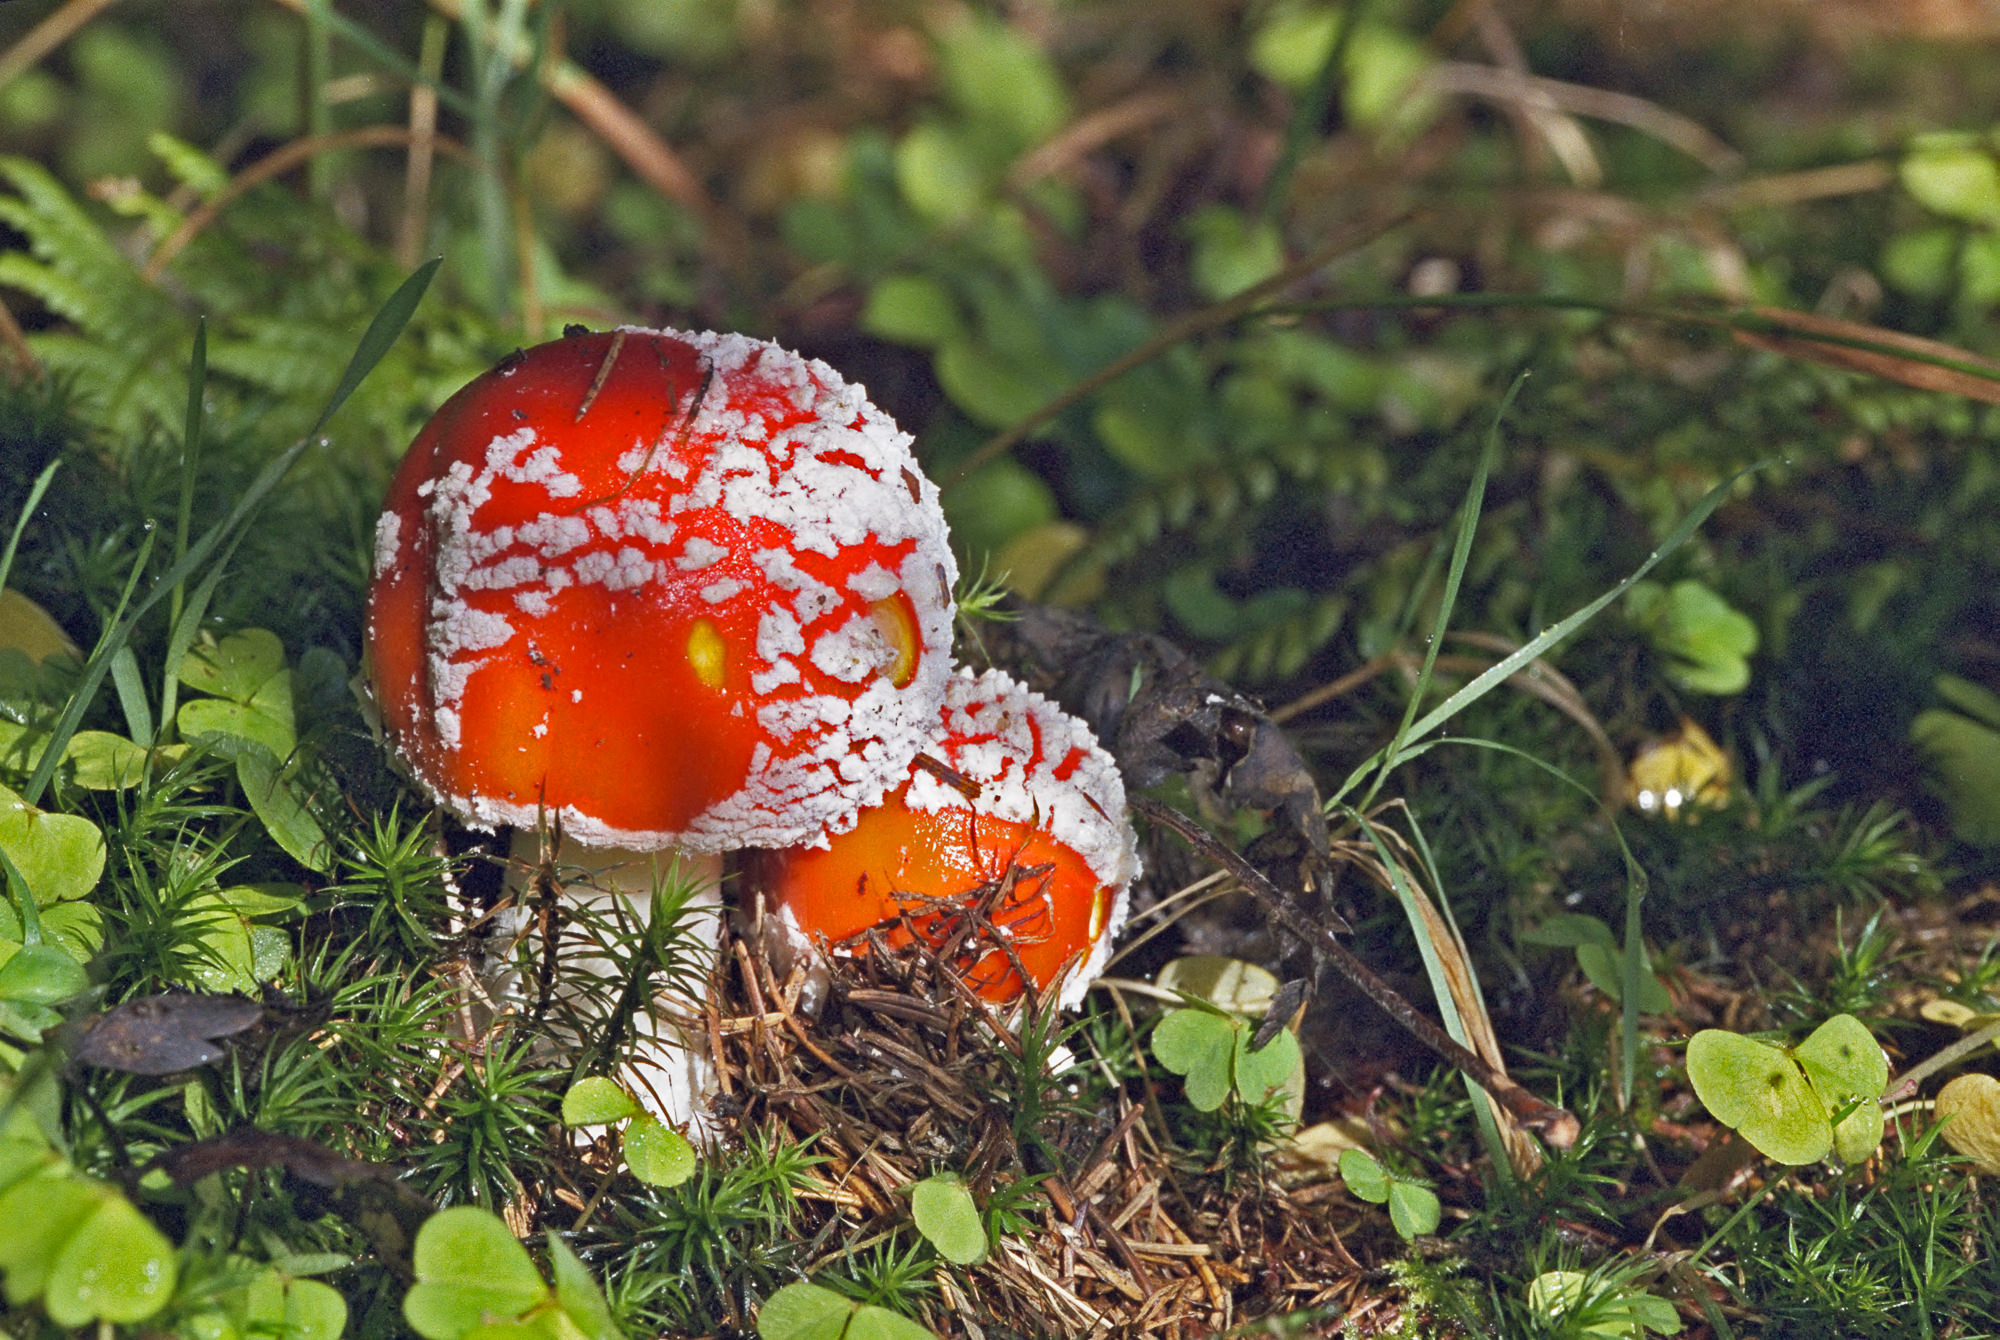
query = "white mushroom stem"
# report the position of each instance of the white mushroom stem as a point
(670, 1070)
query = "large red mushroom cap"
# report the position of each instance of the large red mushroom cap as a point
(1013, 804)
(670, 589)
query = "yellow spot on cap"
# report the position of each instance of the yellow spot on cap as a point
(899, 630)
(1100, 911)
(707, 652)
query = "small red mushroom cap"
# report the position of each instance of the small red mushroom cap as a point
(670, 589)
(1024, 793)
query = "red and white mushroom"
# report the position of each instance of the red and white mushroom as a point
(668, 591)
(1013, 812)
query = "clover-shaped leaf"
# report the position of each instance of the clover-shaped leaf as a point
(657, 1154)
(1843, 1061)
(1414, 1208)
(1200, 1045)
(1212, 1050)
(236, 667)
(1760, 1092)
(946, 1215)
(102, 761)
(810, 1312)
(60, 856)
(470, 1270)
(298, 1309)
(1263, 1073)
(1784, 1102)
(81, 1247)
(597, 1101)
(1707, 642)
(1364, 1176)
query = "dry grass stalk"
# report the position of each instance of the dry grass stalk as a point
(903, 1071)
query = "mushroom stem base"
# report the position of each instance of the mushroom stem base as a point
(606, 908)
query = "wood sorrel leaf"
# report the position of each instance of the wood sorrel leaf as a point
(1200, 1044)
(595, 1101)
(470, 1270)
(1760, 1092)
(1843, 1061)
(948, 1218)
(657, 1154)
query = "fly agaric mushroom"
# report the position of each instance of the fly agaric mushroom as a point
(1012, 813)
(666, 591)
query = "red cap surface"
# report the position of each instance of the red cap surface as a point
(672, 589)
(1049, 805)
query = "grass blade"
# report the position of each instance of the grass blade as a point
(1461, 554)
(377, 339)
(382, 331)
(35, 492)
(1404, 747)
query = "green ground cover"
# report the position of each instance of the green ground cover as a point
(1571, 428)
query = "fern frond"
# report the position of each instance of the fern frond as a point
(1280, 650)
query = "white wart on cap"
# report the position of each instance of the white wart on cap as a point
(674, 590)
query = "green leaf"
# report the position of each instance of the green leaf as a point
(105, 762)
(376, 341)
(879, 1323)
(469, 1268)
(274, 797)
(597, 1101)
(810, 1312)
(1571, 930)
(912, 309)
(1231, 252)
(1856, 1135)
(657, 1154)
(115, 1267)
(578, 1295)
(1958, 181)
(1843, 1061)
(23, 1147)
(43, 1212)
(1761, 1093)
(804, 1312)
(41, 975)
(1364, 1176)
(1413, 1209)
(941, 175)
(943, 1208)
(76, 928)
(240, 956)
(264, 717)
(991, 389)
(235, 668)
(61, 856)
(1266, 1071)
(1605, 967)
(295, 1308)
(1201, 1045)
(1975, 700)
(999, 502)
(1962, 748)
(1707, 643)
(1001, 82)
